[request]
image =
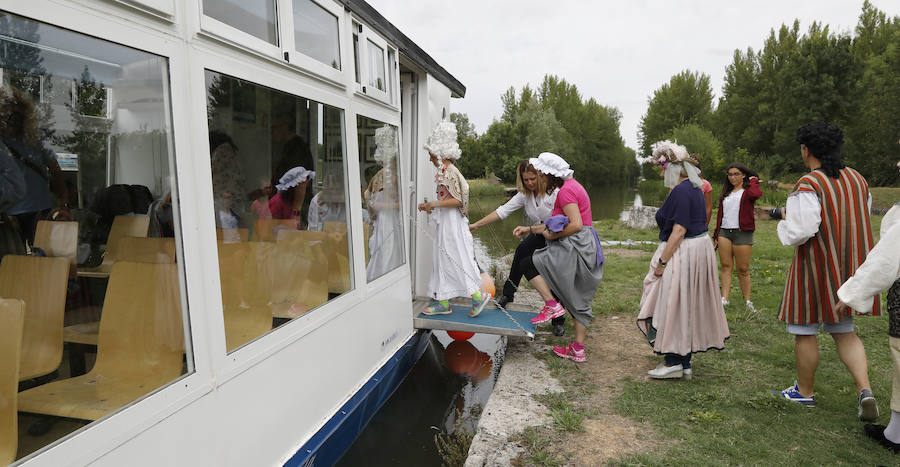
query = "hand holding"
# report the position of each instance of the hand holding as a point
(521, 231)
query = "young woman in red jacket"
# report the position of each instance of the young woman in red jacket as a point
(735, 226)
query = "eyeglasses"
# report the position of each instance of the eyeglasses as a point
(735, 174)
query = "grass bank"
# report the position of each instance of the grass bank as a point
(484, 187)
(726, 415)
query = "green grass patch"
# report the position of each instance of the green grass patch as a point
(885, 197)
(485, 187)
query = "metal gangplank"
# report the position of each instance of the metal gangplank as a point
(491, 320)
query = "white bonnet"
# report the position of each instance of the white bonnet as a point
(386, 145)
(442, 141)
(550, 163)
(294, 177)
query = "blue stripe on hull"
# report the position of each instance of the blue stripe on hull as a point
(330, 442)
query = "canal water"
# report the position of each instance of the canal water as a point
(447, 389)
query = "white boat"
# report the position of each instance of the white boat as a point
(222, 336)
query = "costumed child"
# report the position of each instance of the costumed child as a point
(454, 271)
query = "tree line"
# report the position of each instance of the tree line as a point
(552, 118)
(850, 79)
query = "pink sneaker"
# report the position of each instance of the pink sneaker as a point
(570, 353)
(548, 313)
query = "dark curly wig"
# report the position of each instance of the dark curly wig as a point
(824, 141)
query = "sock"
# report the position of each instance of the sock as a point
(477, 295)
(551, 303)
(445, 303)
(577, 346)
(892, 432)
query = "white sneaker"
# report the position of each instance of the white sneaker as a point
(725, 301)
(688, 373)
(751, 307)
(666, 372)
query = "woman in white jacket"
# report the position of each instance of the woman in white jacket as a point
(880, 272)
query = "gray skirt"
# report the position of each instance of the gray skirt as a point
(569, 266)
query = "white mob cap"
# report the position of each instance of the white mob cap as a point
(294, 177)
(550, 163)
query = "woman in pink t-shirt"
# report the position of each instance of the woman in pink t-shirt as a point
(570, 267)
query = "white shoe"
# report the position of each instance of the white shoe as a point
(751, 307)
(725, 301)
(688, 373)
(666, 372)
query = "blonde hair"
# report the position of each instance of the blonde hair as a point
(19, 115)
(541, 187)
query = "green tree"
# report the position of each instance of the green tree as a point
(686, 98)
(702, 142)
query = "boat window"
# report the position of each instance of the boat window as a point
(90, 231)
(316, 33)
(356, 69)
(380, 172)
(280, 197)
(255, 17)
(377, 76)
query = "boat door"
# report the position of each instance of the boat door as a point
(409, 134)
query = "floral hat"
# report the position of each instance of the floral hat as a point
(665, 152)
(442, 141)
(294, 177)
(550, 163)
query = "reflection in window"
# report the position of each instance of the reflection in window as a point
(85, 129)
(379, 163)
(280, 197)
(255, 17)
(316, 33)
(376, 66)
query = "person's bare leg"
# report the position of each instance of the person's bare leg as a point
(725, 257)
(541, 286)
(580, 333)
(806, 351)
(853, 354)
(742, 264)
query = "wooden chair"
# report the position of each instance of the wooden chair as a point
(266, 230)
(240, 234)
(41, 283)
(58, 238)
(245, 305)
(338, 257)
(140, 347)
(12, 319)
(122, 226)
(157, 250)
(297, 272)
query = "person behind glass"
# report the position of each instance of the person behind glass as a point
(12, 190)
(680, 312)
(735, 224)
(288, 202)
(383, 205)
(227, 181)
(261, 197)
(294, 152)
(538, 203)
(454, 272)
(20, 134)
(880, 272)
(826, 220)
(570, 267)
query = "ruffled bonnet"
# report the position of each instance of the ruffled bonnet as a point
(550, 163)
(294, 177)
(442, 141)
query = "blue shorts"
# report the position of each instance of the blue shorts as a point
(841, 327)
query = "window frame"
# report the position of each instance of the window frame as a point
(118, 427)
(234, 36)
(301, 60)
(391, 71)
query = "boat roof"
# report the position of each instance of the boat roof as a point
(407, 47)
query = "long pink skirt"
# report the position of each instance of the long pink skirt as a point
(681, 311)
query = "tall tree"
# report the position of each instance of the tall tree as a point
(686, 98)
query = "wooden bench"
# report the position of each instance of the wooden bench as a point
(122, 226)
(240, 234)
(41, 283)
(266, 230)
(12, 321)
(140, 347)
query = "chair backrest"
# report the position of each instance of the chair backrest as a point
(338, 256)
(41, 283)
(244, 297)
(141, 330)
(299, 267)
(12, 319)
(266, 230)
(160, 250)
(58, 238)
(240, 234)
(124, 226)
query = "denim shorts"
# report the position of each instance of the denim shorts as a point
(737, 236)
(841, 327)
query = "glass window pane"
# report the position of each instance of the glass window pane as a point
(356, 57)
(255, 17)
(376, 66)
(379, 164)
(316, 33)
(279, 190)
(93, 146)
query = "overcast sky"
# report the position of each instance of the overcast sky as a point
(617, 52)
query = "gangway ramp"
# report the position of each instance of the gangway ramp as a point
(492, 320)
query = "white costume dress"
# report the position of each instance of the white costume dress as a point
(454, 271)
(386, 241)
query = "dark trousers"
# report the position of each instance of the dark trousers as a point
(675, 359)
(524, 265)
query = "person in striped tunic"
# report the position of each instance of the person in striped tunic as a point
(827, 219)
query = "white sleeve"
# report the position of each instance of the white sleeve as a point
(803, 214)
(515, 203)
(875, 275)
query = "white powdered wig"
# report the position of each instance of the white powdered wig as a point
(442, 141)
(550, 163)
(386, 145)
